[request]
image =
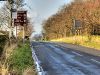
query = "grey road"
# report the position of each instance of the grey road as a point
(58, 60)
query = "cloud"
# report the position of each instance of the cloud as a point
(32, 14)
(42, 9)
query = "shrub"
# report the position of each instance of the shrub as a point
(3, 40)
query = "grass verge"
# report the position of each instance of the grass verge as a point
(87, 41)
(21, 60)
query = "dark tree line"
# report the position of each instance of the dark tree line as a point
(81, 17)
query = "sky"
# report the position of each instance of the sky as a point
(40, 10)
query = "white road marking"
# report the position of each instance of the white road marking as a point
(39, 68)
(76, 53)
(95, 61)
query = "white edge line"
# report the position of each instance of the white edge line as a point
(37, 63)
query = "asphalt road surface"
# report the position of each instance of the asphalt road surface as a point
(58, 60)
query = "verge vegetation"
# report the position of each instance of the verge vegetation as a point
(88, 41)
(17, 60)
(21, 62)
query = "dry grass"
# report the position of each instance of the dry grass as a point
(88, 41)
(4, 67)
(4, 70)
(29, 71)
(17, 61)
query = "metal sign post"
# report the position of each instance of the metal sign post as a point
(16, 32)
(22, 21)
(23, 34)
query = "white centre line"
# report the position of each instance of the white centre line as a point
(95, 61)
(76, 53)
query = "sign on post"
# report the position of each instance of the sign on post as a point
(21, 21)
(78, 24)
(16, 22)
(21, 18)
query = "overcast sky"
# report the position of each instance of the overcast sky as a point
(40, 10)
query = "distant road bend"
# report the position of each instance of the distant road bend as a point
(58, 60)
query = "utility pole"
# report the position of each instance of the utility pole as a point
(73, 26)
(11, 26)
(11, 5)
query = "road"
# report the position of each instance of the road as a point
(58, 60)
